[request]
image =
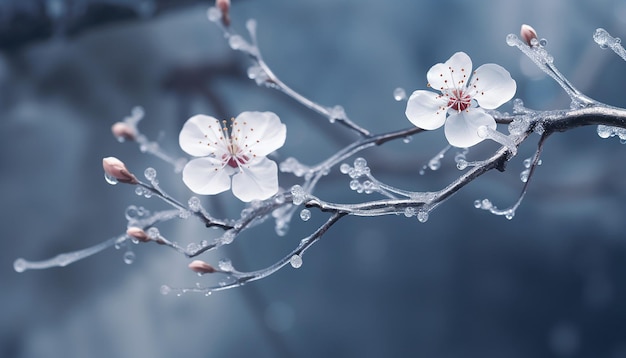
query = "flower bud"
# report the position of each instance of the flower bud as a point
(115, 168)
(200, 266)
(138, 234)
(528, 34)
(224, 6)
(122, 131)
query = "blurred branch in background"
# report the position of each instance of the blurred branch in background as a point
(26, 21)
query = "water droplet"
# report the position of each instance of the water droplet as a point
(527, 162)
(110, 179)
(305, 214)
(214, 14)
(344, 168)
(132, 212)
(461, 164)
(399, 94)
(434, 164)
(19, 265)
(477, 204)
(150, 173)
(153, 233)
(193, 247)
(225, 265)
(281, 228)
(139, 191)
(194, 204)
(486, 204)
(236, 42)
(295, 261)
(543, 42)
(510, 215)
(360, 163)
(355, 185)
(408, 139)
(165, 290)
(129, 257)
(511, 39)
(422, 216)
(335, 113)
(408, 212)
(298, 194)
(228, 237)
(524, 175)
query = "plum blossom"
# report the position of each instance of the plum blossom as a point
(489, 87)
(233, 154)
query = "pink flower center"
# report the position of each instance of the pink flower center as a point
(459, 100)
(234, 160)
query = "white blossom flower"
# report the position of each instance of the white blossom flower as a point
(234, 152)
(490, 86)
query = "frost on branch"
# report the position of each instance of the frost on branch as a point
(236, 155)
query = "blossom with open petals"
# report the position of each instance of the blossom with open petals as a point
(462, 92)
(233, 152)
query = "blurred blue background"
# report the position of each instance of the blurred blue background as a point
(549, 283)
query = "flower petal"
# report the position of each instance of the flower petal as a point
(206, 176)
(454, 73)
(201, 136)
(426, 109)
(492, 86)
(256, 182)
(258, 133)
(461, 128)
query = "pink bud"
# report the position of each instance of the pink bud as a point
(115, 168)
(528, 34)
(201, 267)
(123, 131)
(224, 6)
(138, 234)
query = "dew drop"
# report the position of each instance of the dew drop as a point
(153, 233)
(355, 185)
(139, 191)
(543, 42)
(225, 265)
(360, 163)
(434, 164)
(344, 168)
(295, 261)
(477, 204)
(461, 164)
(486, 204)
(511, 39)
(236, 42)
(527, 163)
(193, 247)
(408, 139)
(214, 14)
(305, 214)
(150, 173)
(408, 212)
(399, 94)
(524, 175)
(110, 179)
(228, 237)
(132, 212)
(19, 265)
(509, 215)
(422, 216)
(165, 290)
(194, 203)
(129, 257)
(298, 194)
